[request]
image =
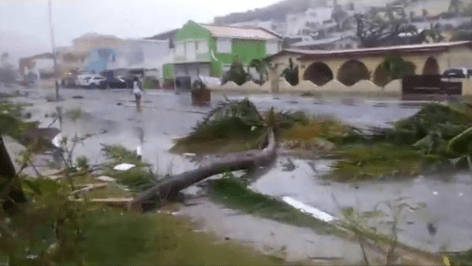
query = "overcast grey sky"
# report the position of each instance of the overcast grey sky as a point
(24, 24)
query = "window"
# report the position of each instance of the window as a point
(191, 48)
(202, 47)
(180, 49)
(272, 48)
(224, 45)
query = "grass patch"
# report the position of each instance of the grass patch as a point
(10, 95)
(137, 178)
(316, 127)
(234, 194)
(227, 145)
(117, 238)
(112, 191)
(462, 259)
(114, 237)
(369, 162)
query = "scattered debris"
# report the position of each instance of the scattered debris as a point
(106, 179)
(325, 258)
(56, 141)
(320, 215)
(139, 151)
(124, 167)
(88, 188)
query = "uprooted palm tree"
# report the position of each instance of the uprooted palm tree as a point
(229, 120)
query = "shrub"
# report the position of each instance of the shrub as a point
(236, 73)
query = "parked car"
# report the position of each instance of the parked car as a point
(90, 81)
(111, 82)
(460, 73)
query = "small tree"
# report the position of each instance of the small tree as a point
(434, 34)
(260, 65)
(425, 12)
(455, 6)
(291, 73)
(397, 67)
(236, 73)
(393, 67)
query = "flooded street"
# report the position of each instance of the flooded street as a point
(110, 117)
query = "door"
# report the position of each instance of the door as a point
(183, 83)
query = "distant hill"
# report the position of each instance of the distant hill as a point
(276, 12)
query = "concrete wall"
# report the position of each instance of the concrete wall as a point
(458, 57)
(363, 88)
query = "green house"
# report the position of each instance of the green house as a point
(209, 50)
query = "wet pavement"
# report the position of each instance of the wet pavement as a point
(269, 236)
(110, 117)
(440, 201)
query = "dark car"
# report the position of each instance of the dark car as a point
(460, 73)
(112, 82)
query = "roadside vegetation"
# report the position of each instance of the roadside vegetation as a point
(435, 139)
(62, 220)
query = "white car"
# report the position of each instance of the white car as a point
(90, 80)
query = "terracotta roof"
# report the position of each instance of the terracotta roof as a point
(367, 52)
(240, 32)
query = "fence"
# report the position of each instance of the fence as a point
(362, 88)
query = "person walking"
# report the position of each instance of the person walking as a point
(138, 92)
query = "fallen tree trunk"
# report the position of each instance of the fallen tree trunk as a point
(11, 191)
(230, 163)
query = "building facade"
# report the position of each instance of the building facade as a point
(210, 50)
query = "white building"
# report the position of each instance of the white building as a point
(313, 18)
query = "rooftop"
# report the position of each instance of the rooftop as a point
(241, 32)
(164, 35)
(380, 51)
(322, 41)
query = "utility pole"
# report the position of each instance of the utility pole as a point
(54, 54)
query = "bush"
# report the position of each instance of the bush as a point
(236, 73)
(381, 160)
(291, 73)
(138, 178)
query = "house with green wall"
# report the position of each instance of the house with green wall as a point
(209, 50)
